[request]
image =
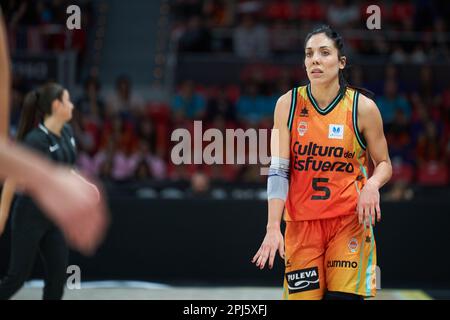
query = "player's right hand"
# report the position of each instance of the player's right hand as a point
(77, 206)
(272, 242)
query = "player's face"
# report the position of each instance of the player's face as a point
(66, 106)
(321, 59)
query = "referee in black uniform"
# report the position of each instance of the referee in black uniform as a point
(43, 127)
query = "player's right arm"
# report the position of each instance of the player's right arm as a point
(9, 187)
(279, 146)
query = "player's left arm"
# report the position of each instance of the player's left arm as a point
(371, 127)
(5, 80)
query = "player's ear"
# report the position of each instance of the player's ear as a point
(56, 104)
(342, 62)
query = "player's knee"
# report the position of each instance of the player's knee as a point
(335, 295)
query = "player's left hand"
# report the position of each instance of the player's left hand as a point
(369, 204)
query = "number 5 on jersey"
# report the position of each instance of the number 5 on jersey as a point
(322, 188)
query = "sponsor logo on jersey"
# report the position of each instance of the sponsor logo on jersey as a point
(303, 280)
(336, 131)
(72, 141)
(54, 148)
(302, 128)
(342, 264)
(313, 150)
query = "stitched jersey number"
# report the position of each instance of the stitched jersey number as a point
(317, 187)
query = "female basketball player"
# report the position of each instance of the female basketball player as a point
(66, 198)
(32, 232)
(318, 175)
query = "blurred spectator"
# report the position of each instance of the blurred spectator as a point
(398, 55)
(90, 104)
(391, 101)
(124, 101)
(156, 166)
(439, 49)
(187, 103)
(427, 87)
(342, 14)
(399, 139)
(183, 9)
(220, 13)
(391, 73)
(433, 174)
(311, 10)
(281, 10)
(250, 40)
(220, 106)
(419, 118)
(145, 131)
(428, 147)
(142, 172)
(251, 106)
(103, 160)
(356, 77)
(418, 55)
(86, 159)
(196, 37)
(282, 38)
(200, 187)
(123, 163)
(402, 10)
(23, 13)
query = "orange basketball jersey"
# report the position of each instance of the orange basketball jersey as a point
(328, 160)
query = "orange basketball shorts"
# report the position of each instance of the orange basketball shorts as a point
(336, 254)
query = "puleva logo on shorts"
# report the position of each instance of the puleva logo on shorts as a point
(303, 280)
(336, 131)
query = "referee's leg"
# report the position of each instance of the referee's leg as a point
(54, 253)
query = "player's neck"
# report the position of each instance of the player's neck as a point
(53, 125)
(324, 94)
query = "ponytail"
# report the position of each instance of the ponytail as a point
(37, 104)
(29, 115)
(344, 84)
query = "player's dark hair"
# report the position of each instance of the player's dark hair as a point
(37, 104)
(339, 44)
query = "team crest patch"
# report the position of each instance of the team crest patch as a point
(353, 245)
(336, 131)
(302, 128)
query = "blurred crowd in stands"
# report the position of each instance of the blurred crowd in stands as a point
(39, 26)
(264, 28)
(123, 137)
